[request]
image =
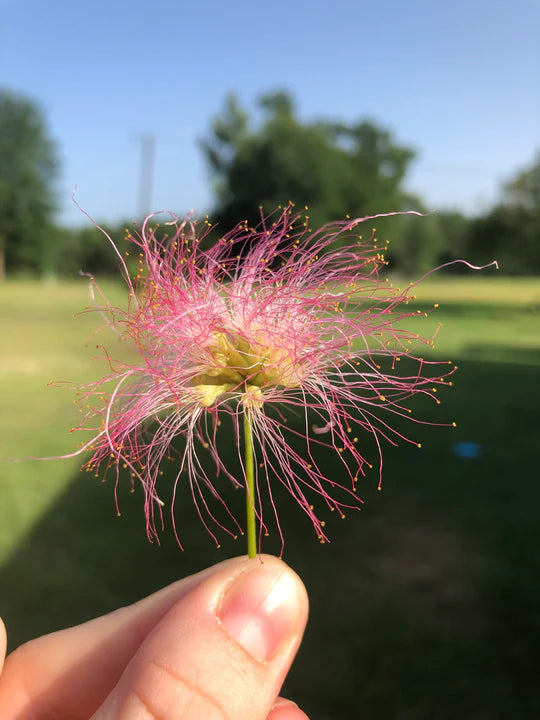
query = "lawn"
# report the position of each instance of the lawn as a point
(424, 605)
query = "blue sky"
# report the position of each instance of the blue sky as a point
(458, 81)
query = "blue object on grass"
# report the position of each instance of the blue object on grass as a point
(467, 450)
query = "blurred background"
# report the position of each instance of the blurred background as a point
(425, 605)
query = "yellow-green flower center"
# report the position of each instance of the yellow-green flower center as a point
(233, 364)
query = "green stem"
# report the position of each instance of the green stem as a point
(251, 526)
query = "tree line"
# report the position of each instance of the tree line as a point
(334, 168)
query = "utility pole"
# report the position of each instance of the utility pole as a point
(146, 177)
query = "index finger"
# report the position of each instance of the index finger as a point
(74, 670)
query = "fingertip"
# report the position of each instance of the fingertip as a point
(278, 562)
(286, 710)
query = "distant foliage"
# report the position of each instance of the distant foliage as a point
(358, 169)
(88, 250)
(510, 232)
(263, 160)
(333, 168)
(28, 169)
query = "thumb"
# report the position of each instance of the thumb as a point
(222, 651)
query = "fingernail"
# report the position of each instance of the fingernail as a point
(283, 702)
(261, 609)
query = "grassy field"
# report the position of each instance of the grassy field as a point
(425, 605)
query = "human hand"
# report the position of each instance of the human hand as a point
(214, 646)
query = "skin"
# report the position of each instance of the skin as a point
(215, 645)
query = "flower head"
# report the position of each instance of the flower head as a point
(266, 319)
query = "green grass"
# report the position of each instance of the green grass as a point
(41, 342)
(483, 315)
(424, 605)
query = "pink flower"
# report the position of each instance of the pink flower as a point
(265, 320)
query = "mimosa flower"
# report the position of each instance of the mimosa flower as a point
(267, 319)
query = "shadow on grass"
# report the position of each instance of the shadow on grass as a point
(424, 605)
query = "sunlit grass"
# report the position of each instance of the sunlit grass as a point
(478, 315)
(482, 288)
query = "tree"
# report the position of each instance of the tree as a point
(28, 168)
(510, 232)
(334, 168)
(415, 243)
(524, 189)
